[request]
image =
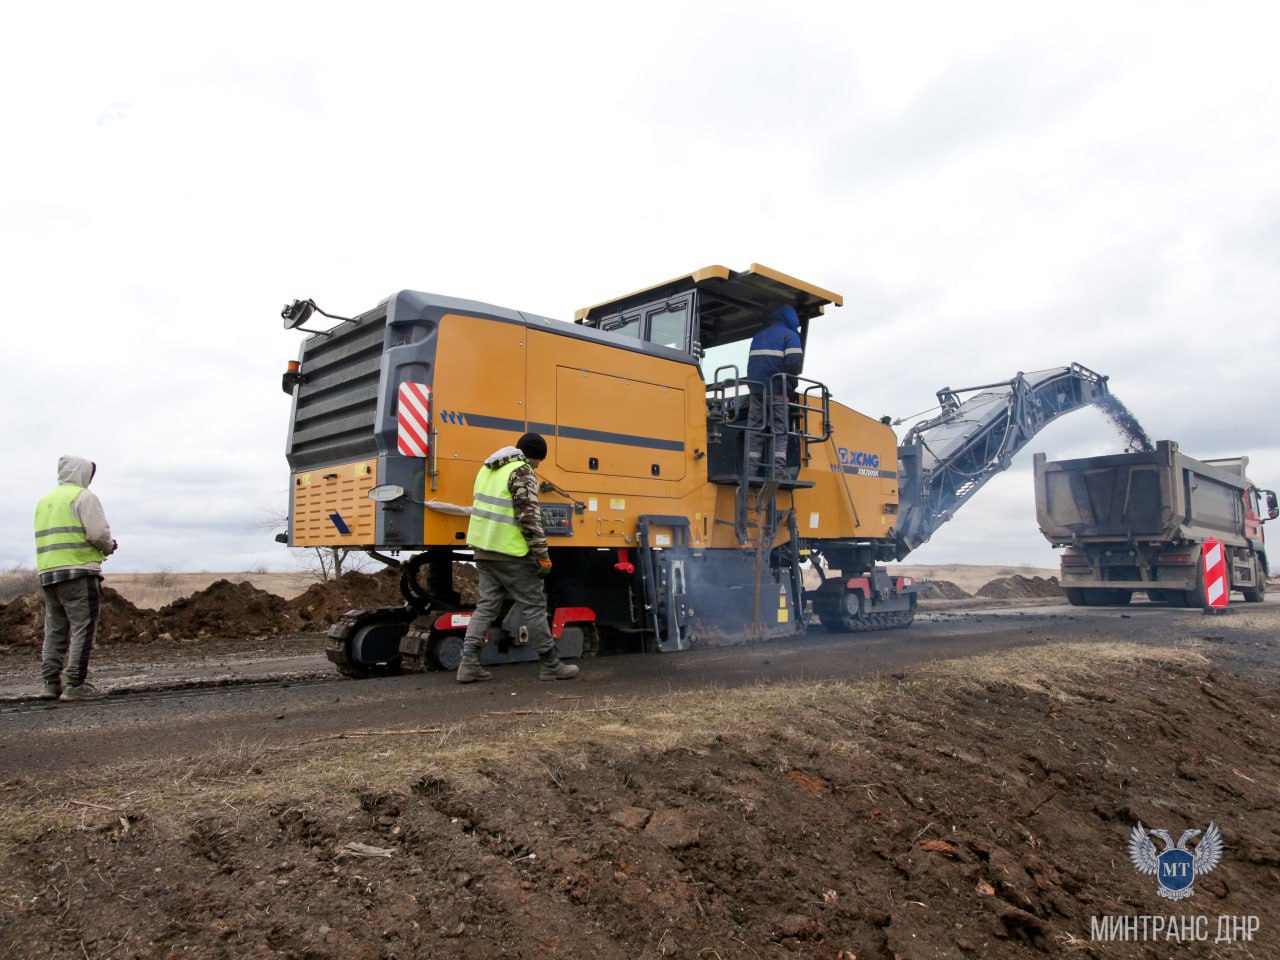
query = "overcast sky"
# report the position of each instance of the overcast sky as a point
(992, 187)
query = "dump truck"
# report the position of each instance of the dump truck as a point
(661, 538)
(1137, 522)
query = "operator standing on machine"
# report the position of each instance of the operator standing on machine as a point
(511, 554)
(775, 349)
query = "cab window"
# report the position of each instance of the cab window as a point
(669, 326)
(628, 325)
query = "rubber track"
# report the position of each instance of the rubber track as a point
(422, 663)
(889, 620)
(336, 646)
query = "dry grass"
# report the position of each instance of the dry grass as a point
(16, 581)
(1046, 669)
(155, 590)
(237, 775)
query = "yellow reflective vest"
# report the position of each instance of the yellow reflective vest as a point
(493, 525)
(60, 536)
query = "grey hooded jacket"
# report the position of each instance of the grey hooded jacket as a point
(86, 506)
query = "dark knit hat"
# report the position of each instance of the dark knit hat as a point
(532, 446)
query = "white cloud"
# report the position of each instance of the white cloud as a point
(995, 187)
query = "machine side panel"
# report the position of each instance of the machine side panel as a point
(478, 406)
(495, 377)
(331, 506)
(855, 477)
(626, 432)
(618, 426)
(855, 485)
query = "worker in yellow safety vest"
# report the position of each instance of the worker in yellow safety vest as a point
(511, 554)
(72, 540)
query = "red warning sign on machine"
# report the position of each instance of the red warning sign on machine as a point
(413, 418)
(1215, 573)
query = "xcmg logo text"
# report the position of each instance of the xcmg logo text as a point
(858, 458)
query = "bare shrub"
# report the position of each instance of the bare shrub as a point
(16, 581)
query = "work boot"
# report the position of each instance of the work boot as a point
(51, 691)
(557, 670)
(81, 691)
(469, 671)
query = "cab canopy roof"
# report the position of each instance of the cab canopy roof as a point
(730, 305)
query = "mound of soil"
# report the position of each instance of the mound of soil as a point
(226, 609)
(1020, 588)
(940, 590)
(22, 621)
(326, 601)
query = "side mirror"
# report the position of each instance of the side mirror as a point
(297, 313)
(1273, 509)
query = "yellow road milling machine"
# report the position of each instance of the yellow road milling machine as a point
(660, 538)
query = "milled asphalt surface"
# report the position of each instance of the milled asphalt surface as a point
(118, 680)
(245, 671)
(176, 710)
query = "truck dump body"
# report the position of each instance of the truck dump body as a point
(1161, 496)
(1137, 521)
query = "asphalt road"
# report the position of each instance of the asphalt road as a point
(45, 737)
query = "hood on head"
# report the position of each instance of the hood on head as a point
(786, 315)
(76, 470)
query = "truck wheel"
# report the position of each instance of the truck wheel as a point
(1119, 598)
(1258, 594)
(1075, 596)
(1195, 597)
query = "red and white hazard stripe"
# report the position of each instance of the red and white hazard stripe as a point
(1215, 573)
(413, 419)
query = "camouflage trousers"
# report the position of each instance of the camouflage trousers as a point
(518, 579)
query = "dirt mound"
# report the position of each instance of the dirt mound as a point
(121, 621)
(940, 590)
(328, 600)
(223, 609)
(22, 621)
(1020, 588)
(227, 609)
(467, 582)
(325, 602)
